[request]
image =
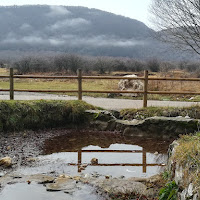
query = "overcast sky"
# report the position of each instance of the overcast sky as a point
(136, 9)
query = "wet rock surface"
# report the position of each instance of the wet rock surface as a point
(156, 126)
(101, 187)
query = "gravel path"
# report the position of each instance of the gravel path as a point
(107, 103)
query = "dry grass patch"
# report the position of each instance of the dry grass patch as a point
(101, 85)
(187, 155)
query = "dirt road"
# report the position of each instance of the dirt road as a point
(107, 103)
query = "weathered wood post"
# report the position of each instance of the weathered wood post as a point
(79, 74)
(11, 85)
(145, 88)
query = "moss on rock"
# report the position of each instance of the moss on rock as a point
(20, 115)
(192, 112)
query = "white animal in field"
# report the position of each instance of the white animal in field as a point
(130, 85)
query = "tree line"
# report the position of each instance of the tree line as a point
(69, 63)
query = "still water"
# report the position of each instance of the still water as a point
(117, 155)
(23, 191)
(72, 153)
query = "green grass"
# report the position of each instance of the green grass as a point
(21, 115)
(129, 114)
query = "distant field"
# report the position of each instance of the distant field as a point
(42, 84)
(4, 71)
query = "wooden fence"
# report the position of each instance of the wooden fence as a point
(80, 90)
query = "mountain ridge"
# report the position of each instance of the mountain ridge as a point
(80, 30)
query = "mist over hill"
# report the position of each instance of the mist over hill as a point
(38, 29)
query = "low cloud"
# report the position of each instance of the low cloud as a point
(58, 11)
(101, 41)
(71, 23)
(34, 40)
(73, 41)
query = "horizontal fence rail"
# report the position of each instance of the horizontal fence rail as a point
(144, 163)
(80, 90)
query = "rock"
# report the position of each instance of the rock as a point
(62, 184)
(119, 186)
(41, 179)
(101, 115)
(183, 195)
(77, 178)
(99, 125)
(190, 190)
(31, 159)
(94, 161)
(130, 85)
(159, 126)
(156, 153)
(187, 189)
(115, 113)
(64, 176)
(6, 162)
(8, 148)
(195, 197)
(178, 175)
(2, 174)
(107, 177)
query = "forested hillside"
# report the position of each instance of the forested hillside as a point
(27, 30)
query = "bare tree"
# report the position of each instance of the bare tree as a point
(178, 22)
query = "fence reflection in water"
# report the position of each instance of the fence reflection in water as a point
(81, 166)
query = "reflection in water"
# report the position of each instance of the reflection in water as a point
(117, 155)
(75, 141)
(144, 164)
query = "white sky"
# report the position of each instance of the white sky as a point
(136, 9)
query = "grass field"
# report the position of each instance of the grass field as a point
(42, 84)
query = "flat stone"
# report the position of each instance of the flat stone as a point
(41, 179)
(158, 126)
(115, 186)
(62, 184)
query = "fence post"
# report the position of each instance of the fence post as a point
(145, 88)
(11, 85)
(79, 74)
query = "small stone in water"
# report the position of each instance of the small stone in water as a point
(94, 161)
(107, 176)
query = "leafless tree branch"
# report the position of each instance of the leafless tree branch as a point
(178, 22)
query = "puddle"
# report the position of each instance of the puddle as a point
(117, 155)
(23, 191)
(71, 153)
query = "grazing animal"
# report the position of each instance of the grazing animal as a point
(130, 85)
